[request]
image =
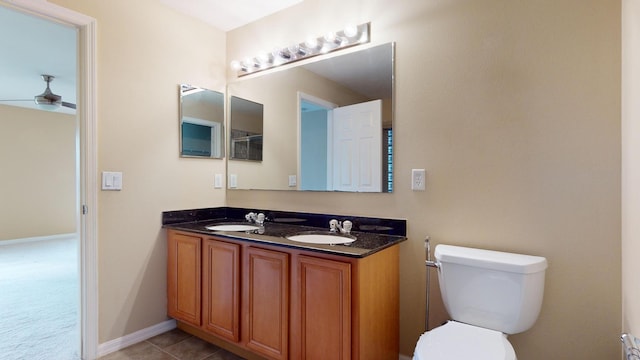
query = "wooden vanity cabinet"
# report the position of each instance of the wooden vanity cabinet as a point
(282, 303)
(216, 284)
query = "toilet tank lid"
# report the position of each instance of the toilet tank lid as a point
(490, 259)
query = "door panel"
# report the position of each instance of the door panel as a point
(183, 277)
(357, 140)
(221, 289)
(267, 283)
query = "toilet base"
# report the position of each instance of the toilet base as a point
(456, 340)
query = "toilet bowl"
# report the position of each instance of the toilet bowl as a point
(456, 340)
(488, 295)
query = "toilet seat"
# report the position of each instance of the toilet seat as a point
(456, 340)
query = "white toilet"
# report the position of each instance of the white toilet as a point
(489, 295)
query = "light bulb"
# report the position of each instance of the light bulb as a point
(311, 43)
(264, 58)
(351, 30)
(235, 65)
(294, 49)
(330, 37)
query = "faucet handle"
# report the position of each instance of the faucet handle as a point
(334, 225)
(260, 219)
(251, 217)
(346, 226)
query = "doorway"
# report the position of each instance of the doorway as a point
(86, 160)
(39, 227)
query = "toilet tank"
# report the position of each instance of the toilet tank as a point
(491, 289)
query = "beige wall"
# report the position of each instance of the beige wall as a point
(513, 108)
(630, 166)
(144, 51)
(38, 167)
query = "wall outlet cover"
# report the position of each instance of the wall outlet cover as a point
(418, 181)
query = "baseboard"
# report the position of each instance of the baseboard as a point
(404, 357)
(134, 338)
(38, 238)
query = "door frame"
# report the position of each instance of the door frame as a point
(87, 207)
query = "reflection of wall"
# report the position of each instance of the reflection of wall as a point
(513, 108)
(313, 154)
(37, 161)
(204, 105)
(387, 113)
(278, 91)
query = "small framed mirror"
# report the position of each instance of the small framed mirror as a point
(201, 122)
(246, 129)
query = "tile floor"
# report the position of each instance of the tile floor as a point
(172, 345)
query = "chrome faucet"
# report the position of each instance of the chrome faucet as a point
(251, 217)
(258, 218)
(343, 227)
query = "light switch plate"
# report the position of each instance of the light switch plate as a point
(217, 181)
(111, 180)
(233, 181)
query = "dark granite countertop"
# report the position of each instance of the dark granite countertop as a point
(275, 232)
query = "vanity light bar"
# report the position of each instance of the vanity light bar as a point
(351, 35)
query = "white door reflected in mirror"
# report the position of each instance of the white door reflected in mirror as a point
(340, 146)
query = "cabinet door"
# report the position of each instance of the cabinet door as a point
(183, 277)
(323, 296)
(267, 302)
(221, 289)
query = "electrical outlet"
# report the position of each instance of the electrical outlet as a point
(418, 179)
(233, 181)
(217, 181)
(293, 180)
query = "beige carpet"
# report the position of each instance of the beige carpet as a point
(39, 300)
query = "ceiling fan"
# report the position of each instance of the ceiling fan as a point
(48, 100)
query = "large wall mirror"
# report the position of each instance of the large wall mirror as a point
(327, 124)
(201, 122)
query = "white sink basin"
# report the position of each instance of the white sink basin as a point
(321, 239)
(232, 227)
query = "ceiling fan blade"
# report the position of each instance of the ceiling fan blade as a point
(47, 100)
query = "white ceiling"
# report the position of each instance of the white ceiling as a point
(35, 47)
(227, 15)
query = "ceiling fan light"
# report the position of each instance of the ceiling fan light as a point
(48, 100)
